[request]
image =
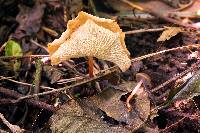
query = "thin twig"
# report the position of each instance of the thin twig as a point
(33, 102)
(106, 72)
(102, 73)
(21, 57)
(164, 51)
(50, 31)
(155, 13)
(173, 125)
(13, 128)
(133, 5)
(185, 6)
(22, 83)
(144, 30)
(173, 79)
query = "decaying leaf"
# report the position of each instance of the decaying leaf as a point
(191, 89)
(89, 114)
(110, 102)
(72, 118)
(89, 35)
(29, 20)
(170, 32)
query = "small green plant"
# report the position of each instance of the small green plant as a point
(13, 48)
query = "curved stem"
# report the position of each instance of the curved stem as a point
(91, 65)
(132, 94)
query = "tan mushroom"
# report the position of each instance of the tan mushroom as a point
(91, 36)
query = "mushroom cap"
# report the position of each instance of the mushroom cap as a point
(88, 35)
(82, 17)
(144, 77)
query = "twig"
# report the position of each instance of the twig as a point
(173, 79)
(185, 6)
(164, 17)
(187, 115)
(33, 102)
(144, 30)
(164, 51)
(103, 73)
(21, 57)
(173, 125)
(50, 31)
(106, 72)
(25, 84)
(133, 5)
(13, 128)
(39, 45)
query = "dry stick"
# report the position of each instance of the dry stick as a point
(25, 84)
(143, 30)
(173, 79)
(13, 128)
(21, 57)
(171, 126)
(185, 6)
(106, 72)
(135, 6)
(33, 102)
(50, 31)
(164, 51)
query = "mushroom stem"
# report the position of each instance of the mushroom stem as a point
(132, 94)
(91, 65)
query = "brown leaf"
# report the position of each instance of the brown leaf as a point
(29, 20)
(73, 118)
(170, 32)
(109, 101)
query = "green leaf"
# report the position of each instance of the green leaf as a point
(13, 49)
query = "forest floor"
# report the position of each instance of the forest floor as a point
(163, 38)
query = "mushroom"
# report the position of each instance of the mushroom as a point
(142, 79)
(91, 36)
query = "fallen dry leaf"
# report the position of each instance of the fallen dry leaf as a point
(170, 32)
(110, 102)
(29, 20)
(73, 118)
